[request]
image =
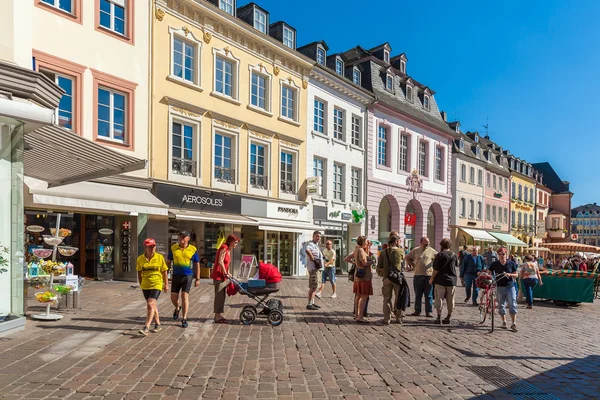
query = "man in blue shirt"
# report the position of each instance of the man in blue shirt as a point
(469, 268)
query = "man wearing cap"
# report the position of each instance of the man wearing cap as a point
(152, 276)
(183, 258)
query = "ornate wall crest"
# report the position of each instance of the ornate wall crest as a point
(304, 84)
(414, 183)
(186, 30)
(159, 14)
(276, 70)
(207, 37)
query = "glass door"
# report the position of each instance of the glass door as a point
(286, 253)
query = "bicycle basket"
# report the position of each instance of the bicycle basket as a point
(484, 281)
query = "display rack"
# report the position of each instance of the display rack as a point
(66, 251)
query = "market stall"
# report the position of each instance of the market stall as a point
(568, 287)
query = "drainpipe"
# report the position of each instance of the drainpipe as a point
(150, 87)
(366, 162)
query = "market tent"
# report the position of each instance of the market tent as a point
(508, 239)
(479, 235)
(537, 249)
(572, 247)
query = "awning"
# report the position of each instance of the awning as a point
(186, 215)
(508, 239)
(479, 234)
(60, 157)
(92, 196)
(572, 247)
(269, 224)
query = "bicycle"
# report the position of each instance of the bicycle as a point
(487, 299)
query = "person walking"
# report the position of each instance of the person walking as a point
(530, 276)
(391, 258)
(183, 258)
(505, 287)
(220, 276)
(314, 262)
(363, 285)
(152, 275)
(443, 279)
(461, 254)
(421, 260)
(329, 269)
(490, 256)
(471, 265)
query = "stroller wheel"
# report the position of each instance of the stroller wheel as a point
(275, 318)
(248, 315)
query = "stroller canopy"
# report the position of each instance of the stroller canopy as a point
(269, 273)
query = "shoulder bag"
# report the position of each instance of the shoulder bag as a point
(393, 274)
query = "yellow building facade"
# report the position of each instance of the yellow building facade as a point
(228, 134)
(523, 207)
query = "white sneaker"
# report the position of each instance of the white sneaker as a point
(334, 296)
(318, 294)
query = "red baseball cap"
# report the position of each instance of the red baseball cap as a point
(149, 242)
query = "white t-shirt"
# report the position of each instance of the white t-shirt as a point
(330, 255)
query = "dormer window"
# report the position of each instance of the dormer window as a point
(409, 93)
(477, 151)
(356, 76)
(476, 138)
(288, 37)
(227, 6)
(403, 66)
(339, 66)
(321, 55)
(426, 102)
(501, 162)
(457, 128)
(386, 56)
(389, 82)
(461, 145)
(489, 157)
(260, 21)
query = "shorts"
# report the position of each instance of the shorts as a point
(328, 272)
(181, 283)
(151, 293)
(313, 280)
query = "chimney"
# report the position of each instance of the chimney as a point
(444, 116)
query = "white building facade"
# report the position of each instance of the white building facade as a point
(336, 156)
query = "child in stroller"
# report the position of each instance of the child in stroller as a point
(267, 283)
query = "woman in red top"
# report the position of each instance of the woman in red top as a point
(220, 276)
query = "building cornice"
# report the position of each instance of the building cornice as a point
(339, 84)
(217, 23)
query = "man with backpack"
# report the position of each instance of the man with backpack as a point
(469, 268)
(391, 258)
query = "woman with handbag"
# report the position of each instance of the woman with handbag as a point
(220, 276)
(363, 285)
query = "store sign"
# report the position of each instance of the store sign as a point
(287, 210)
(574, 236)
(35, 229)
(346, 216)
(496, 226)
(198, 199)
(126, 246)
(105, 231)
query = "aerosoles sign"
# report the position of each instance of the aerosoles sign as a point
(198, 199)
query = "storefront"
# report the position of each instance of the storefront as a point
(335, 224)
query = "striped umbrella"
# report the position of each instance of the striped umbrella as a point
(572, 247)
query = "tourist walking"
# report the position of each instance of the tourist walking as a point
(505, 287)
(443, 279)
(329, 269)
(314, 262)
(220, 276)
(490, 256)
(471, 265)
(183, 258)
(421, 260)
(152, 275)
(363, 285)
(530, 276)
(461, 254)
(390, 259)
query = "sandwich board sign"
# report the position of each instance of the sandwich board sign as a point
(248, 262)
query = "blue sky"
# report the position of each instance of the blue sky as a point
(528, 67)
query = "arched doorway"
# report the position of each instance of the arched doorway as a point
(389, 217)
(413, 231)
(435, 225)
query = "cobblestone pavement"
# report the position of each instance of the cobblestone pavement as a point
(96, 353)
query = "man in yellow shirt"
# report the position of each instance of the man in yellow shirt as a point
(184, 259)
(152, 276)
(329, 270)
(421, 259)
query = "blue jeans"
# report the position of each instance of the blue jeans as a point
(423, 288)
(507, 294)
(328, 272)
(470, 284)
(528, 285)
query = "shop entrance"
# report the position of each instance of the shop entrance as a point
(273, 247)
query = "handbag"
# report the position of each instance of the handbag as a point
(351, 272)
(360, 272)
(393, 273)
(318, 263)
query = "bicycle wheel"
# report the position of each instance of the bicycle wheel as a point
(493, 311)
(483, 307)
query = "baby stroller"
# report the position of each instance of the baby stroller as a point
(259, 290)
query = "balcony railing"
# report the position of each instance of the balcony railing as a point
(288, 187)
(184, 167)
(258, 181)
(225, 175)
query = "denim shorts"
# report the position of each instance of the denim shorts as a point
(328, 272)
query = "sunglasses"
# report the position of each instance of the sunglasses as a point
(501, 254)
